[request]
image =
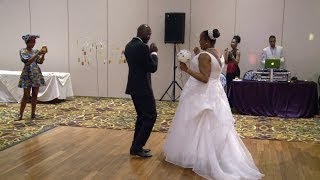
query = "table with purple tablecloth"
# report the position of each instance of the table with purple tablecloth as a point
(282, 99)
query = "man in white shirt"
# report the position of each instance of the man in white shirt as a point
(273, 52)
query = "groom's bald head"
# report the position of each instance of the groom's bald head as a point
(144, 32)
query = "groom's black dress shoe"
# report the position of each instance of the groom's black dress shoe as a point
(146, 150)
(140, 153)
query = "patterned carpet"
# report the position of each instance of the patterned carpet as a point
(115, 113)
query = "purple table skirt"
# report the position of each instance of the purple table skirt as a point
(282, 99)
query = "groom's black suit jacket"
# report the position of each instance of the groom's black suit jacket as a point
(141, 64)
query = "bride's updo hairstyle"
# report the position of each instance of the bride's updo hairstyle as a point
(212, 35)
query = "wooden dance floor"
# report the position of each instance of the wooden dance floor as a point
(92, 153)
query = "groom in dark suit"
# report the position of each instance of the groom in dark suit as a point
(142, 61)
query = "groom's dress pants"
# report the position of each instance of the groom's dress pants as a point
(146, 116)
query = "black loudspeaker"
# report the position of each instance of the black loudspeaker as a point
(174, 27)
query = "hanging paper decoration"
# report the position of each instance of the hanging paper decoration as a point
(91, 50)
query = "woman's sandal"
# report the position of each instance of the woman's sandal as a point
(19, 117)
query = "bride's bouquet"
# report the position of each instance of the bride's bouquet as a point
(184, 56)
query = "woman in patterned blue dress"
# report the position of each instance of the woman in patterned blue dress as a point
(31, 77)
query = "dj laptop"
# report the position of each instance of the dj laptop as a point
(272, 64)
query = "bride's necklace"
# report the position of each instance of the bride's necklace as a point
(208, 49)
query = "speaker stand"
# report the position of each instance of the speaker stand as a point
(174, 82)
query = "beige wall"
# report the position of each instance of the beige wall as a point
(87, 29)
(123, 18)
(15, 22)
(255, 24)
(300, 20)
(51, 23)
(103, 27)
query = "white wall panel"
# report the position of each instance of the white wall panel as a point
(87, 31)
(255, 22)
(124, 17)
(14, 23)
(49, 19)
(301, 38)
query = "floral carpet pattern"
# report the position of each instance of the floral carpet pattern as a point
(114, 113)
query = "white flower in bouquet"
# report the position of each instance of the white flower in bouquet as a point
(184, 56)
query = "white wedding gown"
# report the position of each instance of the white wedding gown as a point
(202, 134)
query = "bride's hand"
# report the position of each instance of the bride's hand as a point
(196, 50)
(183, 67)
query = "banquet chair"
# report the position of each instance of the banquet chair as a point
(248, 75)
(223, 80)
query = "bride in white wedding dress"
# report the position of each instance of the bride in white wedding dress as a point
(202, 134)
